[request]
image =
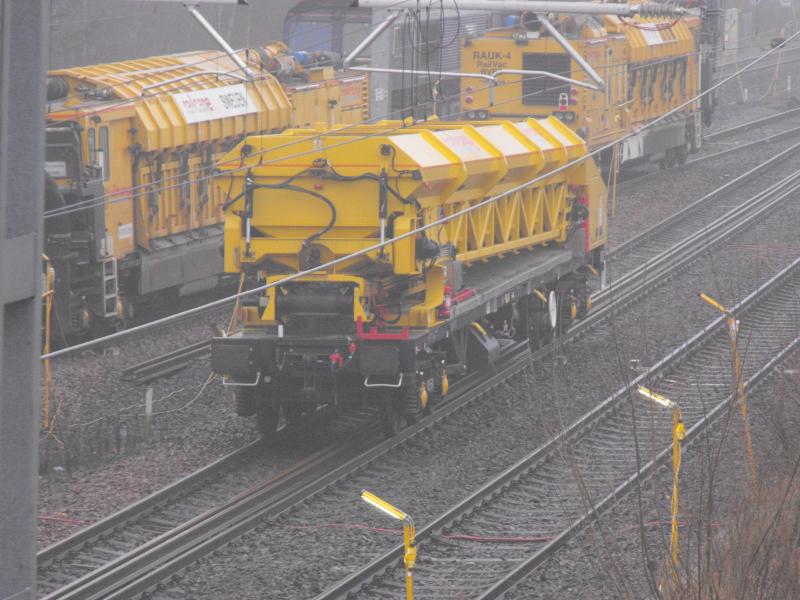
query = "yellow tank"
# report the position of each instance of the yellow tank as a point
(350, 189)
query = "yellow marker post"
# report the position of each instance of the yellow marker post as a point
(409, 531)
(48, 302)
(678, 434)
(733, 335)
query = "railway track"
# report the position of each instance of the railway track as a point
(167, 364)
(147, 555)
(646, 252)
(779, 117)
(738, 64)
(787, 134)
(485, 544)
(133, 530)
(128, 574)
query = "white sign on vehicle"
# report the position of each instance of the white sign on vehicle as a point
(125, 231)
(215, 103)
(56, 168)
(652, 37)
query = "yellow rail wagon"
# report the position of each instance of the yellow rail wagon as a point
(392, 324)
(131, 147)
(648, 66)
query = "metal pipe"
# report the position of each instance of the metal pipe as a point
(367, 41)
(419, 72)
(192, 8)
(651, 9)
(190, 75)
(570, 49)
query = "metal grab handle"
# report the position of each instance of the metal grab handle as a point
(389, 385)
(227, 383)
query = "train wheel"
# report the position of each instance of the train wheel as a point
(267, 416)
(540, 332)
(293, 413)
(441, 386)
(391, 415)
(412, 402)
(245, 402)
(671, 158)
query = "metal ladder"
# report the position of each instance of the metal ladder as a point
(110, 287)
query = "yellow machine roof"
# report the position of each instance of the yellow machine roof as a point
(178, 99)
(129, 79)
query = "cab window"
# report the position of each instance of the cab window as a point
(105, 158)
(90, 142)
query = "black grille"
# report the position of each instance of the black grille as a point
(539, 90)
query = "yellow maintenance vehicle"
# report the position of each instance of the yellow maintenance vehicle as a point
(131, 147)
(645, 67)
(494, 239)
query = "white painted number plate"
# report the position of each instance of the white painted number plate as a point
(216, 103)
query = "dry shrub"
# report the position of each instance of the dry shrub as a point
(757, 554)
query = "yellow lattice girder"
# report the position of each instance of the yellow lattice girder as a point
(438, 168)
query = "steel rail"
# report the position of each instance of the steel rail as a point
(139, 571)
(137, 516)
(692, 435)
(775, 137)
(732, 63)
(167, 364)
(757, 207)
(786, 114)
(595, 422)
(143, 507)
(104, 581)
(785, 61)
(161, 567)
(647, 236)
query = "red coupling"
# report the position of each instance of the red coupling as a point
(444, 307)
(337, 360)
(374, 334)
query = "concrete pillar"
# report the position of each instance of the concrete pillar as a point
(23, 51)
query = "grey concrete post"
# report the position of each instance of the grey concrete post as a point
(23, 51)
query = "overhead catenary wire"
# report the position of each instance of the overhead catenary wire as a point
(121, 195)
(413, 232)
(146, 73)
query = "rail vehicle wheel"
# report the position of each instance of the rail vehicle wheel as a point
(681, 154)
(540, 331)
(267, 416)
(672, 157)
(245, 402)
(435, 397)
(567, 311)
(391, 415)
(293, 413)
(412, 402)
(582, 297)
